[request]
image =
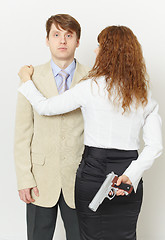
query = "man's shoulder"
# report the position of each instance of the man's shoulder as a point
(82, 69)
(41, 68)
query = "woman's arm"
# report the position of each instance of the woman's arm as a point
(152, 135)
(66, 102)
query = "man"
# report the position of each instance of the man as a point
(48, 149)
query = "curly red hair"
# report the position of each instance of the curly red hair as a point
(120, 61)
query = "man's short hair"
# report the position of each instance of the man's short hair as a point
(64, 21)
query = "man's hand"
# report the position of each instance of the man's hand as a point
(25, 73)
(25, 194)
(122, 179)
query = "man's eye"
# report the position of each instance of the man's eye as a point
(68, 35)
(56, 35)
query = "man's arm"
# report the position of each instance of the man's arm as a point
(22, 142)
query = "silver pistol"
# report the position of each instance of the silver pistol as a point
(108, 190)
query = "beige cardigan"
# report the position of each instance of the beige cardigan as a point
(48, 149)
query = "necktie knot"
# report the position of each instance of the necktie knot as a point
(63, 85)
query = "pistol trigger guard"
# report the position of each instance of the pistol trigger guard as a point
(113, 194)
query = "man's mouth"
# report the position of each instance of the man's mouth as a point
(62, 48)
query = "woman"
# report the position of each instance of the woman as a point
(116, 104)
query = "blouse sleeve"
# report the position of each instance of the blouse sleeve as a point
(152, 136)
(66, 102)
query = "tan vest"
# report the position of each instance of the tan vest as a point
(48, 149)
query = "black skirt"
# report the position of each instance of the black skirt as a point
(114, 219)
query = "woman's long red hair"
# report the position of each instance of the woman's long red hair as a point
(120, 61)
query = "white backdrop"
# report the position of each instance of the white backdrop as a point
(22, 28)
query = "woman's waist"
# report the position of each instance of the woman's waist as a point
(110, 154)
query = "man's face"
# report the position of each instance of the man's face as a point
(62, 44)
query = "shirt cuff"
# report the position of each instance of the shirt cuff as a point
(135, 182)
(24, 85)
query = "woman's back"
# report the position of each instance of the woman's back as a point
(106, 125)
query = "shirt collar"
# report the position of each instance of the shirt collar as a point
(68, 70)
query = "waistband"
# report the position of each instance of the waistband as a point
(115, 154)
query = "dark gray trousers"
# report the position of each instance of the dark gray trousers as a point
(41, 221)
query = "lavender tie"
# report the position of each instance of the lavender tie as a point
(63, 85)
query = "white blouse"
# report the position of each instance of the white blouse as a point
(104, 124)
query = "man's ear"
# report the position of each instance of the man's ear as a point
(47, 42)
(78, 43)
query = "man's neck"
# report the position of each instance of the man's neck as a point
(62, 64)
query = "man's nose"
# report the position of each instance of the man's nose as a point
(63, 39)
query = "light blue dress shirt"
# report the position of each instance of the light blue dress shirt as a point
(69, 70)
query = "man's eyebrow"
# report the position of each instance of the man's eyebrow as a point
(58, 31)
(69, 31)
(55, 31)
